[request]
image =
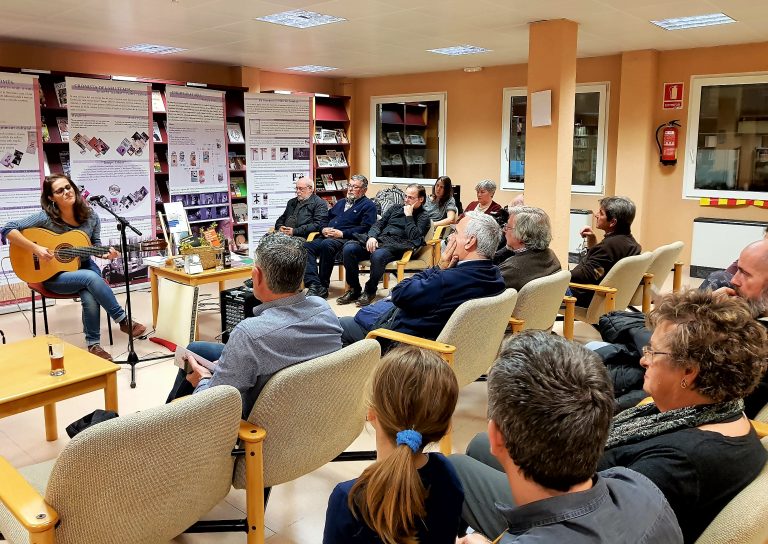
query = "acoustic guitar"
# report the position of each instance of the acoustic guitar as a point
(67, 248)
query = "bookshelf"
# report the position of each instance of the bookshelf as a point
(407, 140)
(331, 168)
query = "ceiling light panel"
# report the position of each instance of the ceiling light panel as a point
(299, 18)
(312, 68)
(152, 49)
(459, 50)
(682, 23)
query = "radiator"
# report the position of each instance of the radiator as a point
(718, 242)
(579, 220)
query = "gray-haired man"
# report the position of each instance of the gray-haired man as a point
(287, 328)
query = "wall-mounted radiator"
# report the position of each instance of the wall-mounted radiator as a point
(718, 242)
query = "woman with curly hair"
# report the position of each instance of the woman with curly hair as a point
(693, 441)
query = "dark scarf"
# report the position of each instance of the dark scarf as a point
(643, 422)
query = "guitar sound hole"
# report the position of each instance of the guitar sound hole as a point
(63, 254)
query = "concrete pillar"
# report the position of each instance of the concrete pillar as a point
(549, 149)
(635, 147)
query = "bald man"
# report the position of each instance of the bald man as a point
(303, 214)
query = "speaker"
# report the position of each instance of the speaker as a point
(236, 304)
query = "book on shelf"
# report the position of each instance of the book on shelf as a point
(63, 124)
(240, 212)
(341, 136)
(394, 138)
(60, 87)
(44, 130)
(323, 161)
(342, 184)
(237, 186)
(337, 158)
(46, 166)
(415, 156)
(158, 166)
(326, 177)
(396, 159)
(325, 136)
(156, 135)
(330, 199)
(235, 133)
(158, 102)
(319, 185)
(64, 159)
(414, 139)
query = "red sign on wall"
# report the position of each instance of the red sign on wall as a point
(673, 96)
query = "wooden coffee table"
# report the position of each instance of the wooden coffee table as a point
(26, 381)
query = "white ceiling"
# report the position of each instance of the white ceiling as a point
(381, 37)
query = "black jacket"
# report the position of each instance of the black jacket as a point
(395, 230)
(310, 215)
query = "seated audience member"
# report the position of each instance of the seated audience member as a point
(400, 228)
(485, 190)
(615, 218)
(526, 255)
(694, 442)
(549, 410)
(722, 278)
(353, 215)
(303, 214)
(441, 206)
(287, 328)
(406, 495)
(422, 304)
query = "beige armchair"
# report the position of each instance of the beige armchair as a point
(539, 301)
(663, 262)
(616, 289)
(745, 518)
(470, 340)
(144, 477)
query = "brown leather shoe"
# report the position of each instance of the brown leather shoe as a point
(137, 330)
(349, 296)
(96, 349)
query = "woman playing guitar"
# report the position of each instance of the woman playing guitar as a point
(64, 209)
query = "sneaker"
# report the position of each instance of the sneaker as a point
(96, 349)
(137, 330)
(350, 296)
(365, 299)
(317, 291)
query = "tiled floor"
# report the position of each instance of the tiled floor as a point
(296, 510)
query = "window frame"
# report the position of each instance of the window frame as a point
(604, 90)
(692, 136)
(442, 99)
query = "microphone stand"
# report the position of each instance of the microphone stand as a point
(122, 225)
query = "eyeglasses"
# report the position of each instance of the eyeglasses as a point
(355, 187)
(506, 227)
(648, 352)
(62, 190)
(302, 189)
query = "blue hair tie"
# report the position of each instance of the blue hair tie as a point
(410, 438)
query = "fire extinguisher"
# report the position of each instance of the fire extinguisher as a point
(668, 143)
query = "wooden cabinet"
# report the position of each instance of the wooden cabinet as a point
(331, 166)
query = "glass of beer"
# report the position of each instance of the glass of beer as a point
(56, 352)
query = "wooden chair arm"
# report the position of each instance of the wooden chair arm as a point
(312, 235)
(516, 324)
(439, 347)
(569, 316)
(405, 259)
(433, 242)
(24, 502)
(647, 292)
(677, 276)
(251, 433)
(437, 236)
(761, 428)
(596, 288)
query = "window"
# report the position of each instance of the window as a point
(726, 153)
(588, 172)
(407, 138)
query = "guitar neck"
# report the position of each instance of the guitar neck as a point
(91, 251)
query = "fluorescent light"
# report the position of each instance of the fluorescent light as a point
(194, 84)
(681, 23)
(300, 18)
(459, 50)
(311, 68)
(124, 78)
(152, 49)
(34, 71)
(322, 95)
(281, 92)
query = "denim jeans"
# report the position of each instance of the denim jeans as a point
(94, 294)
(326, 249)
(354, 253)
(206, 350)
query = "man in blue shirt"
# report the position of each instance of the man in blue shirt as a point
(352, 215)
(550, 408)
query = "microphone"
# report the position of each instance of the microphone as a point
(96, 198)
